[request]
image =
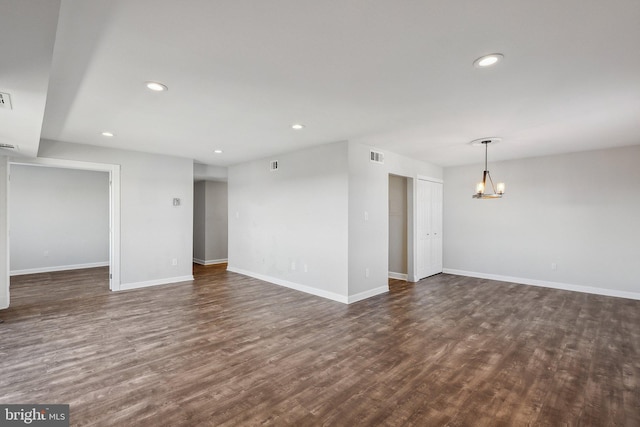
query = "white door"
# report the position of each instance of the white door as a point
(429, 228)
(436, 228)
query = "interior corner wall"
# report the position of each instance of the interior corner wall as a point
(199, 221)
(153, 231)
(216, 221)
(290, 226)
(59, 219)
(4, 233)
(575, 212)
(369, 215)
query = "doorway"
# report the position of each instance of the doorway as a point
(398, 227)
(111, 179)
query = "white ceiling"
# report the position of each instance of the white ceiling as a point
(27, 34)
(396, 74)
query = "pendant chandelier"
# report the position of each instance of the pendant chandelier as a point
(481, 187)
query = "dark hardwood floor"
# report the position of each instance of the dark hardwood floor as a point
(230, 350)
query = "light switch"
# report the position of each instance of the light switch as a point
(176, 201)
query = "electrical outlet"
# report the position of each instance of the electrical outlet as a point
(554, 266)
(366, 216)
(293, 266)
(174, 261)
(366, 272)
(46, 253)
(306, 268)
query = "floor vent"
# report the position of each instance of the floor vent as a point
(5, 101)
(273, 166)
(376, 157)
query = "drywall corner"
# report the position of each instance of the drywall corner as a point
(4, 232)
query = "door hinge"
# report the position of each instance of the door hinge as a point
(110, 276)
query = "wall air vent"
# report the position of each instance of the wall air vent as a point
(5, 101)
(8, 147)
(376, 157)
(273, 166)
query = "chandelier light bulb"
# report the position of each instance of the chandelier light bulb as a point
(495, 191)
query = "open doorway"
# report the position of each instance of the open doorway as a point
(64, 215)
(398, 228)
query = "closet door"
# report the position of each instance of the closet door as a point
(423, 229)
(429, 228)
(436, 228)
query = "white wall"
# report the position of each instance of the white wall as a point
(296, 215)
(398, 224)
(59, 219)
(369, 239)
(579, 211)
(210, 222)
(153, 231)
(312, 212)
(4, 243)
(203, 172)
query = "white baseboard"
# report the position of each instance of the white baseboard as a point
(399, 276)
(291, 285)
(367, 294)
(209, 261)
(168, 280)
(545, 284)
(58, 268)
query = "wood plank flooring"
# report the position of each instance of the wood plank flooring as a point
(227, 350)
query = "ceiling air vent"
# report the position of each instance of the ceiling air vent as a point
(273, 166)
(5, 101)
(376, 156)
(8, 146)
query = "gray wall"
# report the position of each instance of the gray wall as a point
(4, 243)
(210, 222)
(216, 243)
(199, 220)
(153, 231)
(59, 218)
(578, 211)
(280, 222)
(397, 224)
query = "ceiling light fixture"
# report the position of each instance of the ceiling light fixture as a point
(109, 134)
(217, 151)
(156, 87)
(488, 60)
(498, 190)
(297, 126)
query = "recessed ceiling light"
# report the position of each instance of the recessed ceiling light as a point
(488, 60)
(107, 134)
(156, 87)
(217, 151)
(297, 126)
